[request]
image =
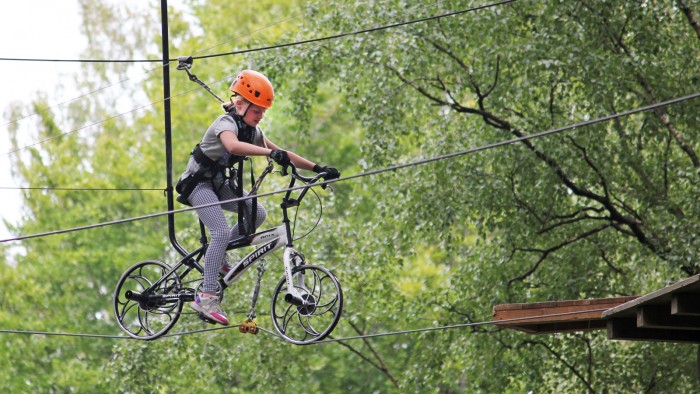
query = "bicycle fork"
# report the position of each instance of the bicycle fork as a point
(292, 259)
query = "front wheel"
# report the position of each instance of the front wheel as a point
(318, 316)
(145, 311)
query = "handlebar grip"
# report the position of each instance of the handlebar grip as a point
(321, 175)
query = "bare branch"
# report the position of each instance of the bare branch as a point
(620, 48)
(635, 226)
(561, 223)
(562, 360)
(448, 306)
(590, 163)
(691, 16)
(450, 54)
(380, 365)
(605, 258)
(495, 77)
(544, 253)
(522, 203)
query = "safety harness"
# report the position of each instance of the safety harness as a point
(217, 173)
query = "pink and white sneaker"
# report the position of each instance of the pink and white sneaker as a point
(209, 306)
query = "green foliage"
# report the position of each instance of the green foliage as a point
(603, 210)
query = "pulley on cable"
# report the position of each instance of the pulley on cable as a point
(185, 63)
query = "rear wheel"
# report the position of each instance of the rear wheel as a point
(320, 312)
(144, 312)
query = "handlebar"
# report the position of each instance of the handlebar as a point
(305, 179)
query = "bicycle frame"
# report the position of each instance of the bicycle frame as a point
(270, 239)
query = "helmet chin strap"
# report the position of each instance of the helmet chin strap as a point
(245, 111)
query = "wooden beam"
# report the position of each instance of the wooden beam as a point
(685, 304)
(626, 329)
(691, 284)
(659, 316)
(556, 316)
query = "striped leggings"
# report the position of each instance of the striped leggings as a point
(220, 231)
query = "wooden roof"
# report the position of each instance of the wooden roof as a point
(671, 314)
(556, 316)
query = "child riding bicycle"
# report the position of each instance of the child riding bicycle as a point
(208, 178)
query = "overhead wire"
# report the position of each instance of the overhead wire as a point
(354, 33)
(378, 171)
(330, 340)
(248, 34)
(61, 135)
(265, 48)
(296, 43)
(83, 189)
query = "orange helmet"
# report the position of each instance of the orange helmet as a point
(254, 87)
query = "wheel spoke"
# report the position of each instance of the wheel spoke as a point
(288, 316)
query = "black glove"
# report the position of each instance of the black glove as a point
(331, 172)
(281, 157)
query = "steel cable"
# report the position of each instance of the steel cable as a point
(378, 171)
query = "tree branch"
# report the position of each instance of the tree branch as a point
(448, 306)
(561, 359)
(691, 16)
(620, 48)
(544, 253)
(636, 227)
(587, 158)
(381, 366)
(605, 258)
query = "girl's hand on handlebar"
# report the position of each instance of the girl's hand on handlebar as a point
(281, 157)
(331, 172)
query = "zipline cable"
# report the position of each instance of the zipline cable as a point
(378, 171)
(83, 189)
(463, 325)
(295, 43)
(249, 34)
(300, 14)
(358, 32)
(366, 336)
(225, 54)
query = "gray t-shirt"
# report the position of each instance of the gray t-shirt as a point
(212, 146)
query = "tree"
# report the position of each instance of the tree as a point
(605, 210)
(564, 217)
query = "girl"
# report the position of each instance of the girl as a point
(230, 138)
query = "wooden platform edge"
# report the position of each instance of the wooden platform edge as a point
(556, 316)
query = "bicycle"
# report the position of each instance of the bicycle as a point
(306, 303)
